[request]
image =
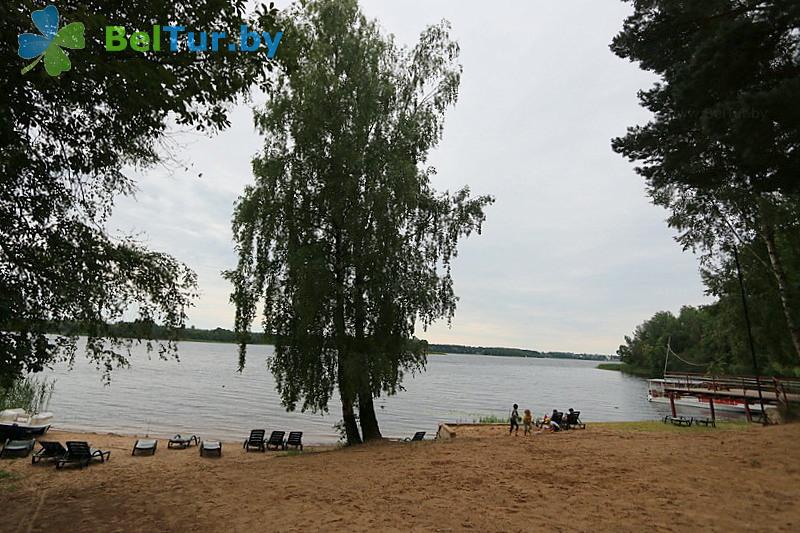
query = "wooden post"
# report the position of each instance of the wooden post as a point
(672, 404)
(747, 410)
(713, 413)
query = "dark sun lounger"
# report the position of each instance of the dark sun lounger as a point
(50, 451)
(256, 440)
(295, 439)
(210, 447)
(276, 440)
(180, 442)
(79, 453)
(574, 420)
(418, 436)
(145, 446)
(17, 447)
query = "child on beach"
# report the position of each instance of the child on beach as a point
(514, 420)
(527, 421)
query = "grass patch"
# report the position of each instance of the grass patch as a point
(7, 480)
(657, 426)
(292, 453)
(625, 368)
(490, 419)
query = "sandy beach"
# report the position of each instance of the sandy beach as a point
(609, 477)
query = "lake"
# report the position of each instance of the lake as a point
(205, 394)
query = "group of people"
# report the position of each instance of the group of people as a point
(553, 422)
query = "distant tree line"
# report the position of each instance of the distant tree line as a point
(513, 352)
(144, 330)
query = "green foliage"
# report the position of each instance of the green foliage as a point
(709, 339)
(626, 368)
(342, 237)
(721, 155)
(27, 393)
(65, 143)
(491, 419)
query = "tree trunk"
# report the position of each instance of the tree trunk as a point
(348, 415)
(783, 284)
(366, 412)
(347, 385)
(366, 406)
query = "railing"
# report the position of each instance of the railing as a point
(780, 389)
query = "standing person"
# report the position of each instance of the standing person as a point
(514, 420)
(527, 422)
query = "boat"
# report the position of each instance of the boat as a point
(17, 424)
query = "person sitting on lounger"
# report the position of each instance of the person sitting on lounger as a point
(554, 418)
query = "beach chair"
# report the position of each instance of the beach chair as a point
(574, 420)
(418, 436)
(50, 451)
(295, 439)
(79, 453)
(210, 447)
(182, 442)
(558, 419)
(17, 447)
(276, 440)
(143, 446)
(256, 440)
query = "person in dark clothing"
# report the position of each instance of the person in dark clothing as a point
(514, 420)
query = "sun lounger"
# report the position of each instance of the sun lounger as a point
(557, 421)
(256, 440)
(212, 447)
(148, 446)
(574, 420)
(182, 442)
(17, 447)
(79, 453)
(276, 440)
(50, 451)
(418, 436)
(295, 439)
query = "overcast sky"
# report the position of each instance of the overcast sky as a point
(573, 255)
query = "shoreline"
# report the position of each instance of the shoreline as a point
(658, 477)
(649, 425)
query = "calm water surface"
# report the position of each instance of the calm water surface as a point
(204, 394)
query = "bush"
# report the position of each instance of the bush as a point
(28, 393)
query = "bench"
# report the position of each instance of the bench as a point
(678, 420)
(705, 422)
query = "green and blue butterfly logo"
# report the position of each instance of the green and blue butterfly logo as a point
(50, 44)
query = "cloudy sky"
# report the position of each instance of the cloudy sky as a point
(573, 255)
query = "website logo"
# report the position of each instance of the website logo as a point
(180, 39)
(49, 45)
